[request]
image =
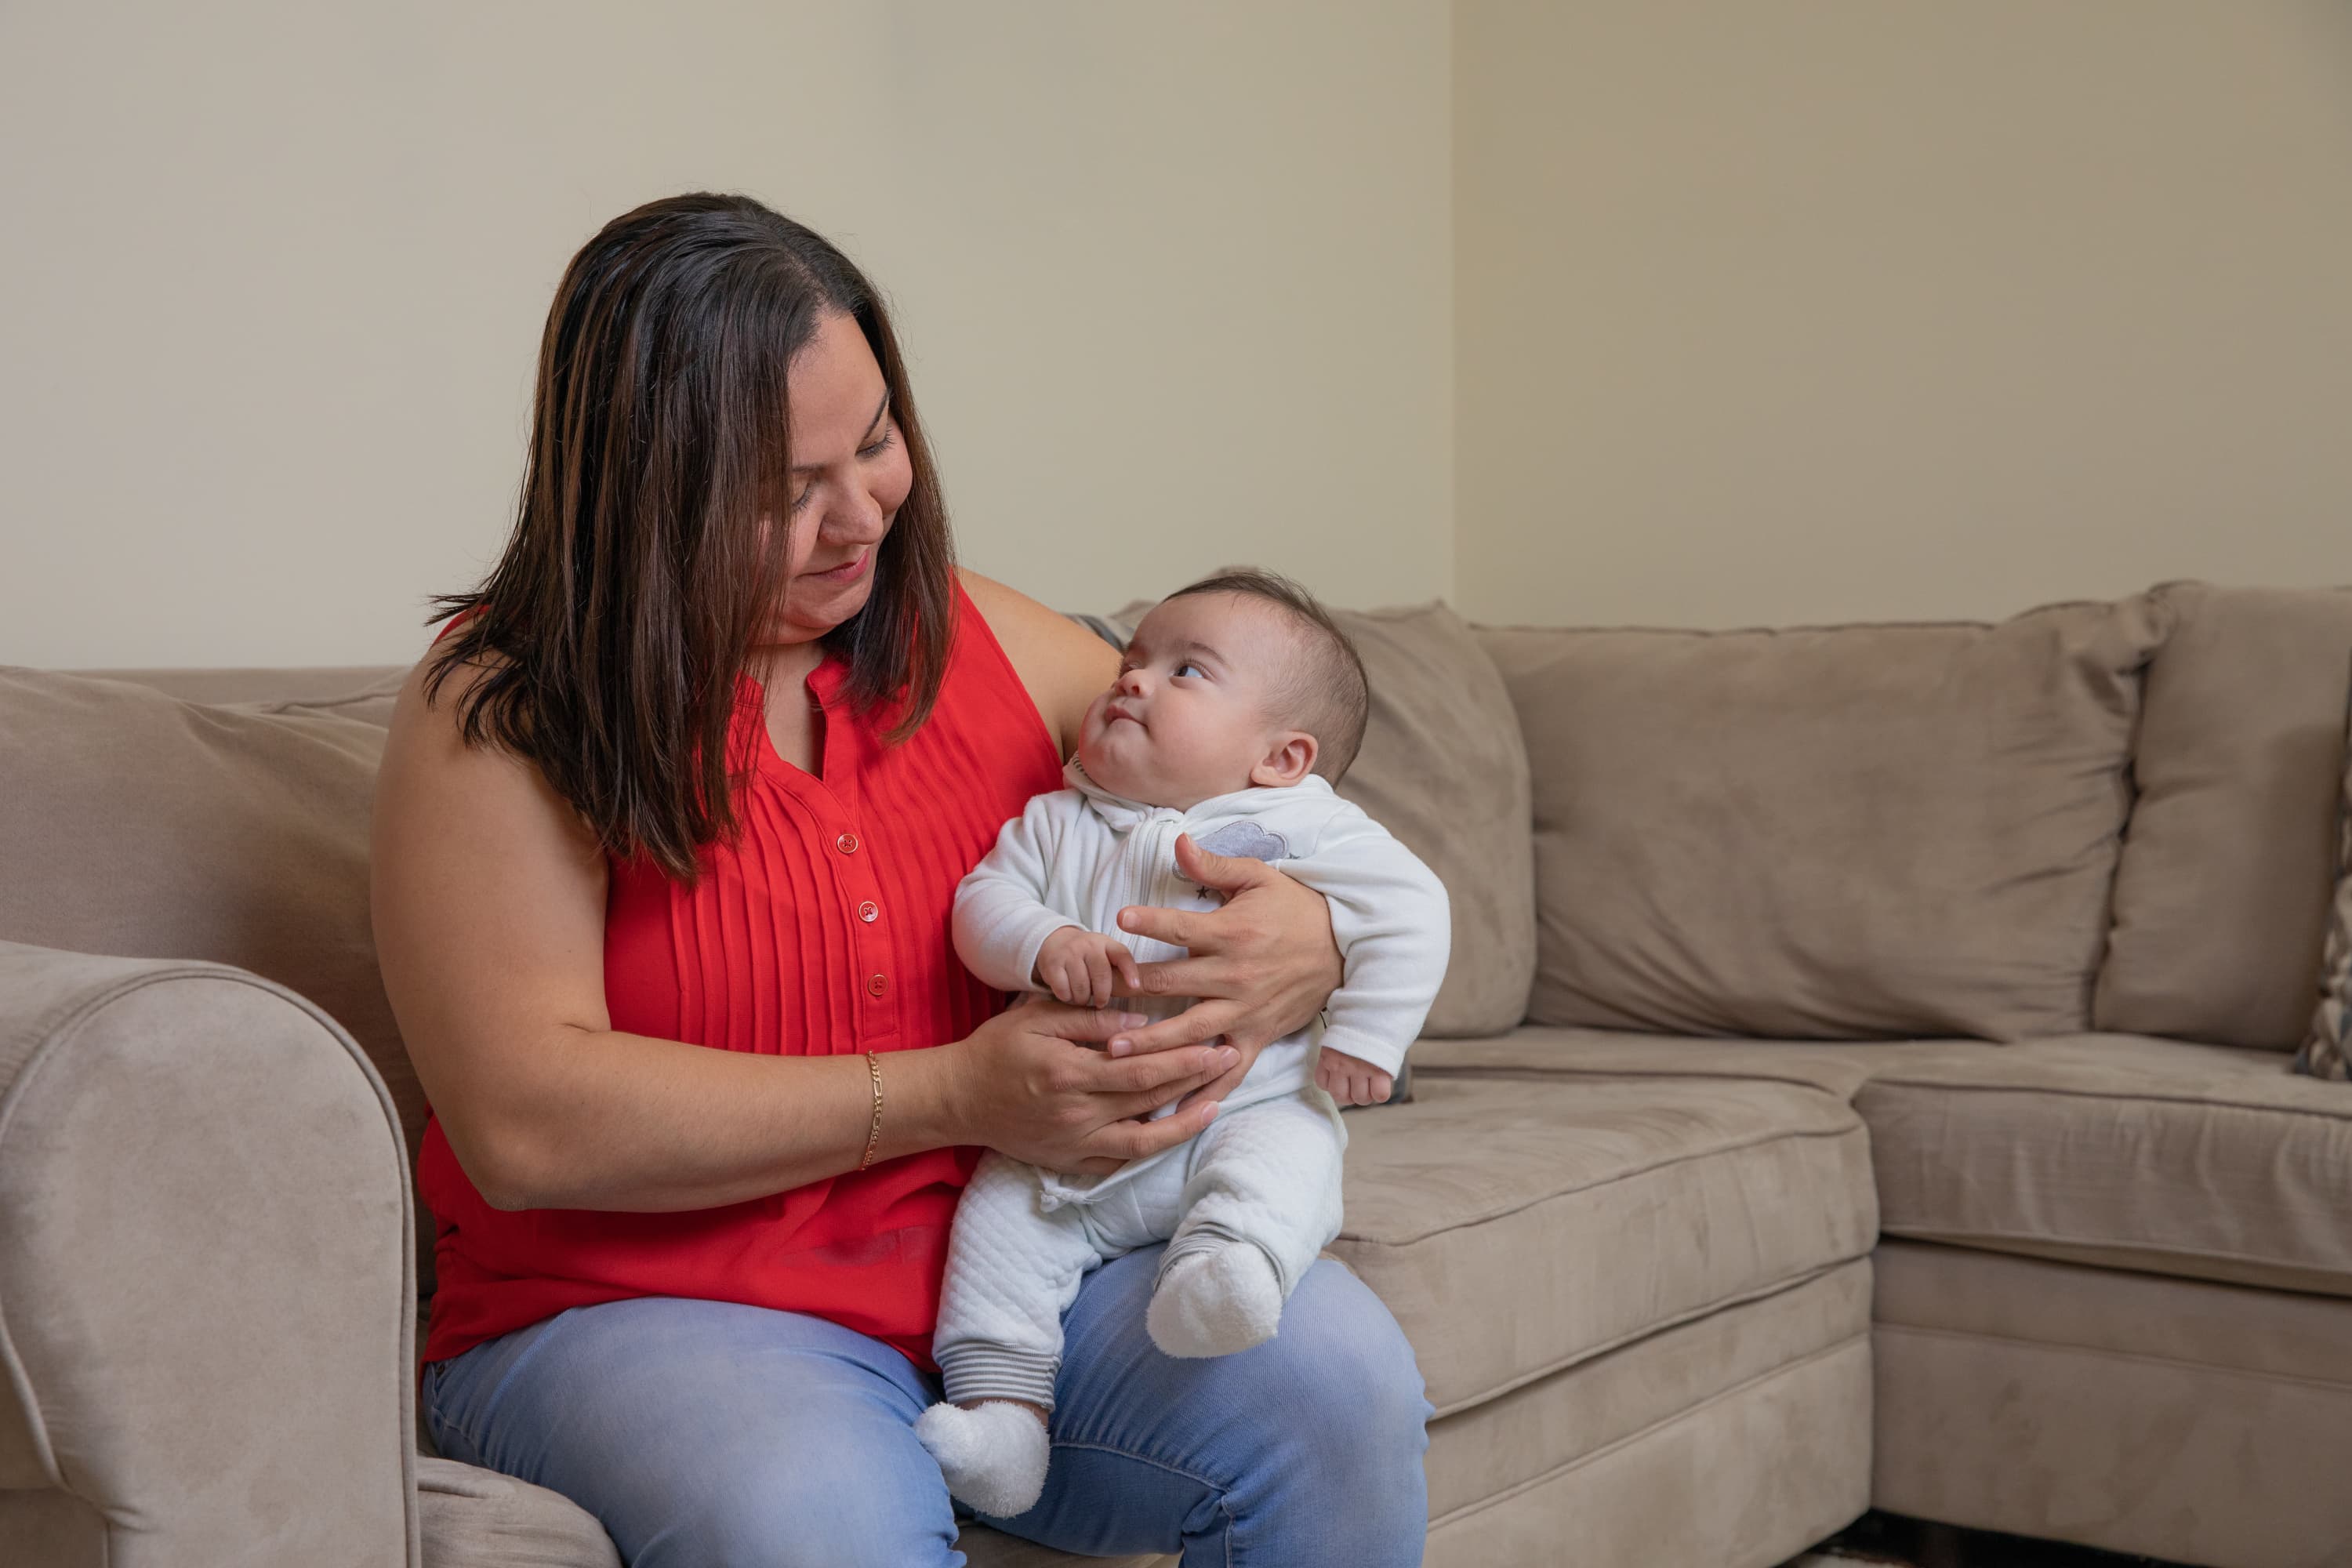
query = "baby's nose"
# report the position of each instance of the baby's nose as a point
(1131, 682)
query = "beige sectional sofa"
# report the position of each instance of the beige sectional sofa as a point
(1712, 1225)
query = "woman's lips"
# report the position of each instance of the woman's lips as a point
(849, 571)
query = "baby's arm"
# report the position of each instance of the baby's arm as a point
(1394, 927)
(1006, 933)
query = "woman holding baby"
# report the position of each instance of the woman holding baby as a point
(669, 828)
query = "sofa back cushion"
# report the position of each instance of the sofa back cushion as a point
(1845, 833)
(1443, 767)
(135, 824)
(2222, 897)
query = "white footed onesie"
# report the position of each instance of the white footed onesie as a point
(1247, 1205)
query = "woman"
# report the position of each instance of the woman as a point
(668, 829)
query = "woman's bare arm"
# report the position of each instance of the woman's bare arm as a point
(488, 901)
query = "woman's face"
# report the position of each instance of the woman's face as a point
(849, 475)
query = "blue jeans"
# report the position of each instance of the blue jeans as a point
(705, 1433)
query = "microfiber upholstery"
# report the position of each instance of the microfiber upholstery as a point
(2222, 891)
(140, 824)
(1700, 1194)
(205, 1275)
(1845, 832)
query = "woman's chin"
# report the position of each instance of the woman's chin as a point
(817, 608)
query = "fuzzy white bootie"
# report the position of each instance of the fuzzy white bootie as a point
(1215, 1303)
(993, 1455)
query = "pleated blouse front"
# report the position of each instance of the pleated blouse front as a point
(823, 930)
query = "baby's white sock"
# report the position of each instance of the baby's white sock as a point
(993, 1455)
(1215, 1302)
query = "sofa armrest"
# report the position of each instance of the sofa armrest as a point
(207, 1333)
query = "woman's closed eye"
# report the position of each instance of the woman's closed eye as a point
(865, 454)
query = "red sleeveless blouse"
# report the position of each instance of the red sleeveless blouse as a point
(824, 931)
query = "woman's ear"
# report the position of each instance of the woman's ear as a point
(1289, 763)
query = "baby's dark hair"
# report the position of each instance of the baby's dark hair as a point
(1326, 694)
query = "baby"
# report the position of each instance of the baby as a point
(1238, 705)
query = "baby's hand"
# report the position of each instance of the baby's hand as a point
(1077, 967)
(1351, 1080)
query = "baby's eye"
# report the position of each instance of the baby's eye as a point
(1189, 668)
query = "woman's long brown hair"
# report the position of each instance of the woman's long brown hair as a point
(613, 632)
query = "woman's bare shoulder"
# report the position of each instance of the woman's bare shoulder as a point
(1062, 664)
(433, 777)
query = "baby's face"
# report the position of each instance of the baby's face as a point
(1188, 717)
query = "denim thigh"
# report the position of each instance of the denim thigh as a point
(707, 1434)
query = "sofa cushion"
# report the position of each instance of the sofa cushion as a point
(2202, 1161)
(355, 691)
(2327, 1046)
(1834, 1067)
(135, 824)
(2222, 893)
(1442, 768)
(1870, 831)
(473, 1517)
(1518, 1228)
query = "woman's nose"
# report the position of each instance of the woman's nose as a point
(858, 518)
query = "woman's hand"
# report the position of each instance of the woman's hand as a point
(1029, 1084)
(1261, 966)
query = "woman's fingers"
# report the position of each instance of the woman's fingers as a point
(1082, 1026)
(1177, 927)
(1135, 1140)
(1223, 1085)
(1142, 1074)
(1178, 977)
(1202, 1021)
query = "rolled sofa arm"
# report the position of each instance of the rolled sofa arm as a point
(206, 1329)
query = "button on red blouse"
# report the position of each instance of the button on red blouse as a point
(777, 950)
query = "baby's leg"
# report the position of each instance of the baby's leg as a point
(1262, 1201)
(1013, 1269)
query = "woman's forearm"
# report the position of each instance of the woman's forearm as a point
(629, 1123)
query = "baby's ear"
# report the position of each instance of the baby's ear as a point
(1289, 762)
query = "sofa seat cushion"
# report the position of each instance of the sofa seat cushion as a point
(473, 1517)
(1515, 1228)
(1834, 1067)
(2202, 1161)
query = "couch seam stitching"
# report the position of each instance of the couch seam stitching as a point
(1628, 1173)
(1962, 1237)
(2134, 1097)
(1656, 1326)
(2292, 1380)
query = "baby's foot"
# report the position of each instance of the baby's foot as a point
(993, 1455)
(1215, 1303)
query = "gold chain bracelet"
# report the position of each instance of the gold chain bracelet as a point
(874, 1132)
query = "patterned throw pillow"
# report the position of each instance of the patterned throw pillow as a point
(2327, 1048)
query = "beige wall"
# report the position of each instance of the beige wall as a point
(1803, 310)
(1826, 309)
(1176, 283)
